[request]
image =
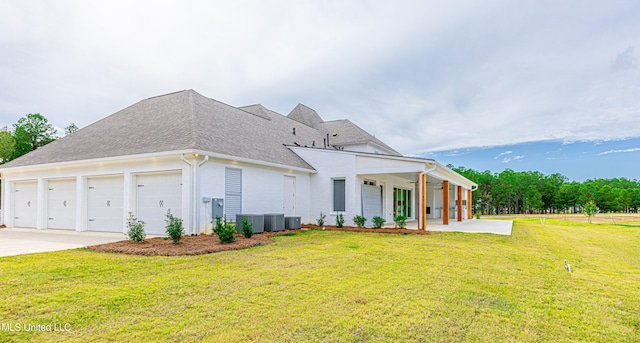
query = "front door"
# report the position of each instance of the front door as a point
(289, 205)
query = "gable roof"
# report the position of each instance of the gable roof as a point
(186, 120)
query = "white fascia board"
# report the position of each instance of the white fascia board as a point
(106, 160)
(400, 170)
(367, 154)
(252, 161)
(444, 173)
(375, 145)
(158, 155)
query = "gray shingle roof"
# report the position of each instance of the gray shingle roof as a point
(305, 115)
(187, 120)
(348, 132)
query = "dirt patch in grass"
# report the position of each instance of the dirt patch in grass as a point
(366, 229)
(189, 245)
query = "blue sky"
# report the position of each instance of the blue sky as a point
(578, 161)
(426, 77)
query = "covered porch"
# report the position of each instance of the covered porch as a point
(425, 191)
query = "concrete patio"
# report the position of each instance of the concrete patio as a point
(497, 227)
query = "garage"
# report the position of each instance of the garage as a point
(105, 199)
(61, 204)
(25, 204)
(155, 194)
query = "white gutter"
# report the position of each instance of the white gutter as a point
(191, 214)
(197, 195)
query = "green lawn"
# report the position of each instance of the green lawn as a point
(324, 286)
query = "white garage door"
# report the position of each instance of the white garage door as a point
(105, 197)
(24, 204)
(157, 193)
(61, 204)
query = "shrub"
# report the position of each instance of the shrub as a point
(339, 220)
(220, 222)
(247, 228)
(226, 231)
(401, 221)
(378, 222)
(477, 215)
(359, 220)
(135, 229)
(174, 227)
(321, 219)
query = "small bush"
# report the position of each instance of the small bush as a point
(401, 221)
(226, 231)
(321, 219)
(378, 222)
(247, 228)
(174, 227)
(359, 220)
(477, 215)
(339, 220)
(135, 229)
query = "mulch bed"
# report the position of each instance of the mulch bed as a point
(365, 229)
(203, 244)
(189, 245)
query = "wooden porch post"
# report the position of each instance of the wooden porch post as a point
(459, 203)
(469, 202)
(445, 202)
(424, 201)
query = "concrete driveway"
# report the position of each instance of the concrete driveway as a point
(16, 241)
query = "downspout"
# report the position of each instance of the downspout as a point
(197, 194)
(193, 183)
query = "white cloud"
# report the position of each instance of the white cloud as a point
(422, 76)
(618, 151)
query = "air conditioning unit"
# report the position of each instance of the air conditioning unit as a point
(256, 220)
(292, 223)
(274, 222)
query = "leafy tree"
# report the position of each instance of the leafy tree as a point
(71, 128)
(533, 192)
(32, 132)
(7, 145)
(590, 209)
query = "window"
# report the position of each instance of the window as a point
(402, 203)
(339, 195)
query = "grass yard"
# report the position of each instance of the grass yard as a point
(328, 286)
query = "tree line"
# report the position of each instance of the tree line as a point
(29, 133)
(511, 192)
